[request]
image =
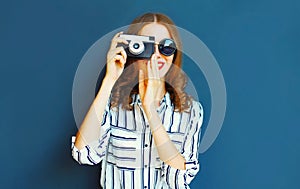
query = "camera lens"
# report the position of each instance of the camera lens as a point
(136, 46)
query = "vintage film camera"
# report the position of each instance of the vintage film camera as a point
(139, 47)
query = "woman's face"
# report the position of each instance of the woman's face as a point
(159, 32)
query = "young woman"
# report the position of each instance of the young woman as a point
(142, 125)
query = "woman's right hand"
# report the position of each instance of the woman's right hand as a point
(116, 58)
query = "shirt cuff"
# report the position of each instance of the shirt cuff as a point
(86, 155)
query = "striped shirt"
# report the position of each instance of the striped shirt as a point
(127, 149)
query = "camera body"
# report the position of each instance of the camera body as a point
(139, 47)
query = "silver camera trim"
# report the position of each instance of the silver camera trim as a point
(147, 39)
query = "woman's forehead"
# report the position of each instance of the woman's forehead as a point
(159, 31)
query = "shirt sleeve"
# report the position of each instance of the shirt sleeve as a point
(94, 152)
(176, 178)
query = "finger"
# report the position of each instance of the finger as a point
(121, 61)
(118, 59)
(113, 43)
(116, 39)
(114, 52)
(153, 63)
(120, 40)
(123, 53)
(141, 83)
(149, 70)
(155, 68)
(118, 34)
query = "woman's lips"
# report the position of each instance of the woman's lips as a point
(160, 65)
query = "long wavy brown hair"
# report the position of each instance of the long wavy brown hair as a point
(175, 79)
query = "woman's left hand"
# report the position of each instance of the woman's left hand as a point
(150, 85)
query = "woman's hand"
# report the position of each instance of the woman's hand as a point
(150, 85)
(116, 58)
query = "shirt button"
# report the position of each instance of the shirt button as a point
(145, 166)
(146, 145)
(147, 126)
(145, 186)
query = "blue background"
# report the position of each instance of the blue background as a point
(256, 44)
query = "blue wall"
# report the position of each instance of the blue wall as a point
(256, 44)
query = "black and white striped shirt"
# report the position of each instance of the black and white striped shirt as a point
(127, 148)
